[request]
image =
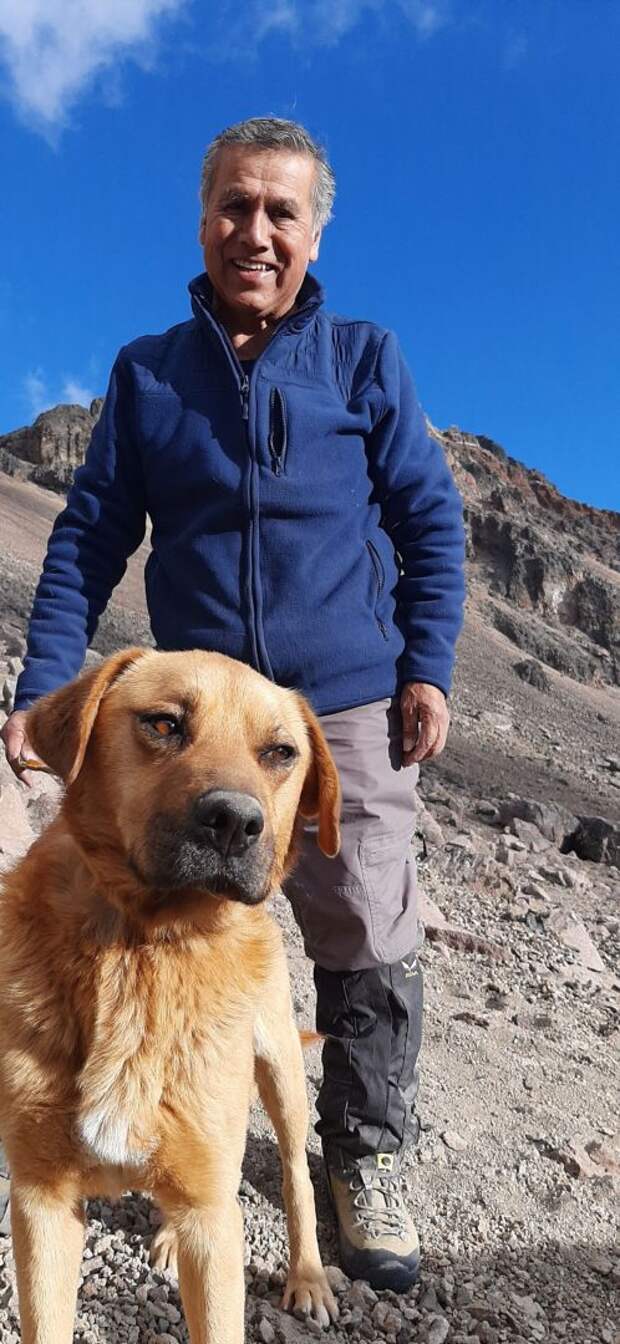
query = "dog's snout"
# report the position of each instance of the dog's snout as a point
(230, 821)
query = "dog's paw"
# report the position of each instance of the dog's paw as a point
(310, 1295)
(163, 1252)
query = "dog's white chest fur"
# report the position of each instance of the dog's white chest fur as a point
(122, 1080)
(106, 1132)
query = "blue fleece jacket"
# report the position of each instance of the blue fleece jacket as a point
(302, 519)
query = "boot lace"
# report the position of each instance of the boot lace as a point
(378, 1204)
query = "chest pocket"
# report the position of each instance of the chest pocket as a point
(278, 431)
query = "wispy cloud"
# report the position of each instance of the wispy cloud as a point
(427, 16)
(315, 23)
(76, 393)
(39, 396)
(36, 394)
(51, 51)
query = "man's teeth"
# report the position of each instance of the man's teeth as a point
(252, 266)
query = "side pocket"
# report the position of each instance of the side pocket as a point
(389, 876)
(377, 565)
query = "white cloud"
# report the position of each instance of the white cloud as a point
(51, 51)
(318, 23)
(427, 16)
(39, 396)
(36, 393)
(76, 393)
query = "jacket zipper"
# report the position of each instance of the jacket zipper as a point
(244, 392)
(261, 654)
(380, 577)
(277, 430)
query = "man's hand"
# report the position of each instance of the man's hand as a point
(426, 720)
(17, 746)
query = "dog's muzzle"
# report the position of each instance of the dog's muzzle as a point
(221, 845)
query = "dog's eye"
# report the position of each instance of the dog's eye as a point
(280, 754)
(162, 725)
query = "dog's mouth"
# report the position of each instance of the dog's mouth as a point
(172, 861)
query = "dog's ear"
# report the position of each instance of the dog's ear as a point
(320, 796)
(59, 725)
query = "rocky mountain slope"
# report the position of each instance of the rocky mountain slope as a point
(545, 570)
(516, 1180)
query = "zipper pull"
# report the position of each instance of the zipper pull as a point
(244, 388)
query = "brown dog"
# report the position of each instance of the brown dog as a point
(143, 983)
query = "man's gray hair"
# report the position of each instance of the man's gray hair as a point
(275, 133)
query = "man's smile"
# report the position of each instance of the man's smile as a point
(260, 267)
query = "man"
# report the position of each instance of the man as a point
(302, 521)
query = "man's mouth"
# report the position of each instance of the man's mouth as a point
(261, 267)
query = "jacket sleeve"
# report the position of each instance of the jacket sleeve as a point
(422, 513)
(102, 524)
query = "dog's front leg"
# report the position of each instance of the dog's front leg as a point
(210, 1257)
(48, 1238)
(282, 1086)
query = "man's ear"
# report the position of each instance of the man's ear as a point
(320, 796)
(59, 725)
(316, 242)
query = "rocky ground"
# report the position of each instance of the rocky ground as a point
(516, 1179)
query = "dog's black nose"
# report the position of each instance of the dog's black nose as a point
(231, 822)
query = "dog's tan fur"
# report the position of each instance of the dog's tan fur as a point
(134, 1021)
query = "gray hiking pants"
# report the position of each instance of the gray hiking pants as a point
(358, 917)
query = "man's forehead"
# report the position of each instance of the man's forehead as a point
(278, 172)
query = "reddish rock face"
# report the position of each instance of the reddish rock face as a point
(49, 451)
(544, 570)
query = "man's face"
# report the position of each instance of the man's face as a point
(258, 234)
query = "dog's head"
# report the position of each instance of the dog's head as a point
(191, 770)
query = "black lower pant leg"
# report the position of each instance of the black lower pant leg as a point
(372, 1021)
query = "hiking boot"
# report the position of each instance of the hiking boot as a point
(378, 1240)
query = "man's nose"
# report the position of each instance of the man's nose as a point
(230, 822)
(255, 229)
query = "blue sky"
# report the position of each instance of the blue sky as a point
(476, 147)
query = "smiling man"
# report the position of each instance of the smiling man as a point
(304, 522)
(258, 232)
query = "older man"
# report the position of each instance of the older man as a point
(304, 522)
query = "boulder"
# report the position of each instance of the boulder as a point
(553, 821)
(595, 839)
(572, 933)
(533, 673)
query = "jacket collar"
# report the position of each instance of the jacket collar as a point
(310, 297)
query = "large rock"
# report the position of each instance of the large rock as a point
(573, 934)
(16, 833)
(533, 673)
(596, 839)
(552, 820)
(49, 451)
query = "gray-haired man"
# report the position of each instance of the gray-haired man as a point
(303, 521)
